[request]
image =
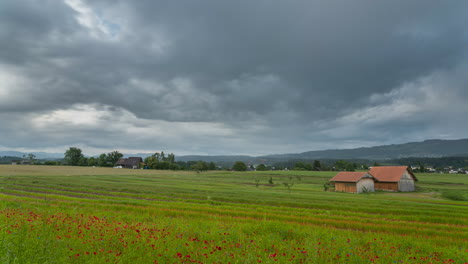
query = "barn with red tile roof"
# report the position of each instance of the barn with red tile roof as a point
(393, 178)
(353, 182)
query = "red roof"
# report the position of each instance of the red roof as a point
(390, 173)
(345, 176)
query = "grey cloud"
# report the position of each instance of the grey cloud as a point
(271, 71)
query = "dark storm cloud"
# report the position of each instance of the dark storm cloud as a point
(292, 73)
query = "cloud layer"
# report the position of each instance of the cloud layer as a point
(239, 77)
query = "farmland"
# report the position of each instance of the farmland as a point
(53, 214)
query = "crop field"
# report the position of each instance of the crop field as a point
(54, 214)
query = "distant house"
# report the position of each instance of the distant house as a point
(22, 162)
(353, 182)
(393, 178)
(129, 163)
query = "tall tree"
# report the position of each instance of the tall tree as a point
(299, 166)
(73, 156)
(171, 158)
(102, 160)
(239, 166)
(83, 161)
(113, 157)
(199, 166)
(350, 167)
(153, 160)
(31, 158)
(211, 166)
(92, 161)
(156, 156)
(317, 166)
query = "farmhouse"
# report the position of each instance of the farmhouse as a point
(393, 178)
(130, 163)
(22, 162)
(354, 182)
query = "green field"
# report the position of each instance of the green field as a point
(52, 214)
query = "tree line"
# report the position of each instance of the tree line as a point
(158, 161)
(317, 165)
(74, 157)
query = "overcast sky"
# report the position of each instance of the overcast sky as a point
(230, 77)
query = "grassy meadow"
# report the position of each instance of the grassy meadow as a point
(55, 214)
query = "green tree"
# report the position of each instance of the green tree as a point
(341, 165)
(299, 166)
(113, 157)
(239, 166)
(31, 158)
(83, 161)
(211, 166)
(350, 167)
(149, 161)
(157, 157)
(171, 158)
(73, 156)
(159, 161)
(261, 167)
(199, 166)
(92, 161)
(102, 160)
(317, 166)
(162, 165)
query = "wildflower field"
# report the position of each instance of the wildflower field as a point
(53, 214)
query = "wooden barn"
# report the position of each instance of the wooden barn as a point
(130, 163)
(353, 182)
(393, 178)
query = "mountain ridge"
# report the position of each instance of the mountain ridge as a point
(432, 148)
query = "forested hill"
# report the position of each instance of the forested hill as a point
(429, 149)
(215, 159)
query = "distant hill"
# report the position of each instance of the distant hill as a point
(8, 159)
(215, 159)
(433, 148)
(39, 155)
